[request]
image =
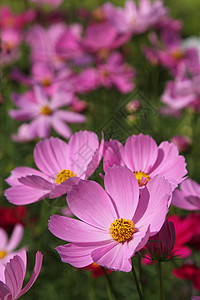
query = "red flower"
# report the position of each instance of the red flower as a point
(10, 216)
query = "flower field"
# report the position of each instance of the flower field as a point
(99, 150)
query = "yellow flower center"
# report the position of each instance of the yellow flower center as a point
(64, 175)
(46, 82)
(45, 110)
(122, 229)
(2, 254)
(142, 178)
(177, 54)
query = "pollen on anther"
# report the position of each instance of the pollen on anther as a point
(122, 229)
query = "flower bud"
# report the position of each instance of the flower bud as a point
(160, 246)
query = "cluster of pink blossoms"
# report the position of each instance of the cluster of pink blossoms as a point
(68, 61)
(116, 222)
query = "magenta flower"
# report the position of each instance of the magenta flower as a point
(114, 224)
(160, 246)
(46, 113)
(57, 162)
(183, 92)
(115, 72)
(133, 19)
(182, 142)
(12, 276)
(188, 197)
(43, 44)
(10, 42)
(142, 155)
(10, 20)
(43, 74)
(7, 247)
(103, 35)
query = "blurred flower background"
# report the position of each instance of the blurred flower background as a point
(116, 69)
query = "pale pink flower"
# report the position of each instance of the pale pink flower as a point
(10, 42)
(142, 155)
(188, 197)
(43, 44)
(46, 113)
(114, 224)
(182, 142)
(183, 92)
(103, 35)
(133, 18)
(8, 246)
(12, 276)
(47, 77)
(60, 166)
(115, 72)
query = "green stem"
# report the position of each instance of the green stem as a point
(111, 292)
(137, 283)
(160, 280)
(140, 274)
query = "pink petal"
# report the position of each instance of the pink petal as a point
(34, 276)
(22, 194)
(169, 164)
(40, 94)
(82, 146)
(22, 172)
(3, 238)
(61, 98)
(14, 275)
(140, 153)
(89, 202)
(138, 241)
(15, 238)
(77, 255)
(2, 270)
(153, 205)
(70, 116)
(75, 231)
(60, 127)
(112, 257)
(121, 184)
(51, 156)
(112, 154)
(63, 187)
(22, 114)
(5, 292)
(42, 126)
(37, 182)
(96, 158)
(179, 200)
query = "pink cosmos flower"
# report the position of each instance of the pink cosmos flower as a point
(115, 72)
(103, 35)
(57, 162)
(142, 155)
(114, 223)
(7, 247)
(10, 42)
(12, 276)
(46, 113)
(53, 3)
(43, 44)
(10, 20)
(182, 142)
(183, 92)
(188, 197)
(133, 19)
(46, 76)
